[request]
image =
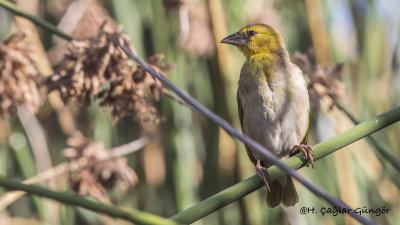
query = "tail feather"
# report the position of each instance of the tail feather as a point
(282, 191)
(290, 196)
(274, 196)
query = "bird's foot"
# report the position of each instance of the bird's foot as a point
(261, 172)
(306, 150)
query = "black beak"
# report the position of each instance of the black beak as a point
(235, 39)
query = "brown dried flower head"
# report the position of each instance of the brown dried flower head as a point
(97, 68)
(95, 174)
(18, 77)
(324, 84)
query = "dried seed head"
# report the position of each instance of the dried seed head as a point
(97, 68)
(324, 84)
(18, 77)
(96, 176)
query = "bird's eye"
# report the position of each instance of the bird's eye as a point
(250, 33)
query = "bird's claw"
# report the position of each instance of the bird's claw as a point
(261, 171)
(306, 150)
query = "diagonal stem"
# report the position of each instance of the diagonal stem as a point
(134, 216)
(42, 23)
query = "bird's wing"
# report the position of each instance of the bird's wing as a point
(305, 139)
(240, 112)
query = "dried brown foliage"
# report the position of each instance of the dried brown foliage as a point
(80, 19)
(97, 68)
(18, 77)
(324, 83)
(97, 174)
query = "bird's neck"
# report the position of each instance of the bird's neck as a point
(271, 61)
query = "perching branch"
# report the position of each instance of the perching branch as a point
(248, 141)
(134, 216)
(253, 183)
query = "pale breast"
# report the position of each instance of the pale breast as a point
(275, 109)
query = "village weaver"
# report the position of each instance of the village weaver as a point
(273, 105)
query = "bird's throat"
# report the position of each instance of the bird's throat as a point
(268, 63)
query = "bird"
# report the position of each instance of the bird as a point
(273, 105)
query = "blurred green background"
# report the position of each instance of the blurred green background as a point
(193, 158)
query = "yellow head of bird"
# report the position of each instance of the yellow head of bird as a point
(257, 39)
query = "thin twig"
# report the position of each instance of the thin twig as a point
(10, 197)
(248, 141)
(125, 149)
(173, 97)
(42, 23)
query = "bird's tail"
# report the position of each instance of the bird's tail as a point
(282, 191)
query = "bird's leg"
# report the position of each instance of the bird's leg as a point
(261, 171)
(306, 150)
